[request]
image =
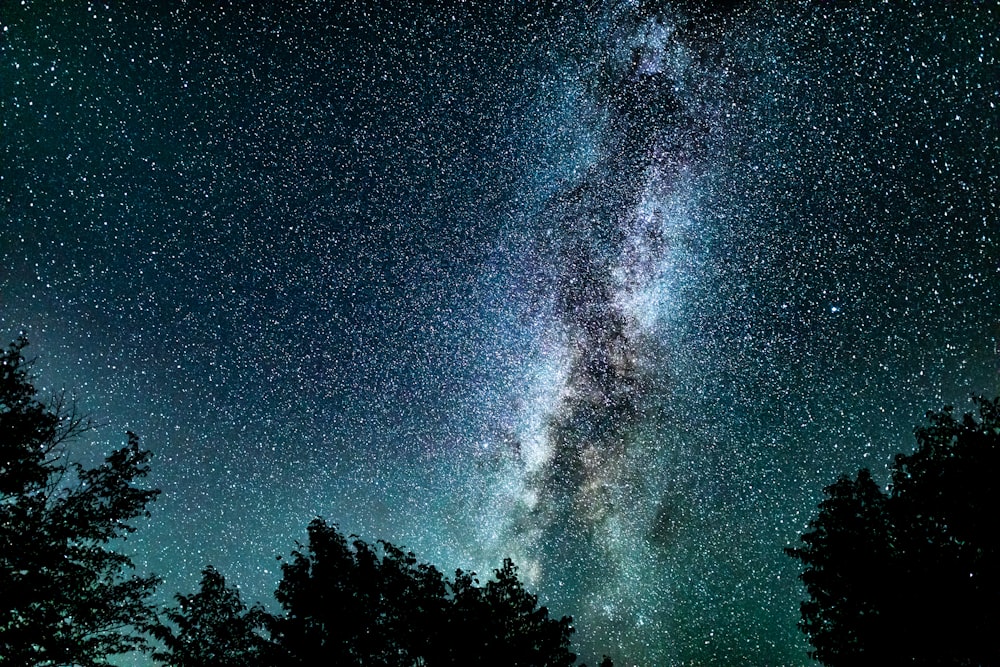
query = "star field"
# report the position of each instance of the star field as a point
(614, 289)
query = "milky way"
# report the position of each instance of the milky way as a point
(613, 288)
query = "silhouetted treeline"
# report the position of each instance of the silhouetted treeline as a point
(910, 576)
(361, 605)
(67, 597)
(907, 575)
(346, 602)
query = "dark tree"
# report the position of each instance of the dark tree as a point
(212, 628)
(353, 604)
(513, 629)
(847, 554)
(911, 576)
(65, 596)
(501, 624)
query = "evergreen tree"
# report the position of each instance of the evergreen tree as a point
(65, 596)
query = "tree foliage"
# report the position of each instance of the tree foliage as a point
(65, 596)
(911, 576)
(68, 598)
(354, 604)
(501, 623)
(212, 628)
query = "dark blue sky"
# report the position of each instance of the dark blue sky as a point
(613, 289)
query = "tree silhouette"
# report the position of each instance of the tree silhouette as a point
(351, 606)
(65, 596)
(212, 628)
(501, 624)
(911, 576)
(348, 603)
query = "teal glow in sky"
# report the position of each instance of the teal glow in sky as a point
(615, 290)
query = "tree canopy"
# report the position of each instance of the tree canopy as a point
(909, 576)
(355, 604)
(212, 628)
(68, 597)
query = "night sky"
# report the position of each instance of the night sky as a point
(614, 289)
